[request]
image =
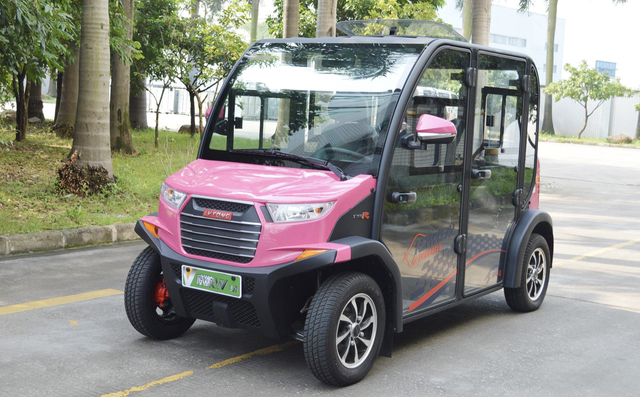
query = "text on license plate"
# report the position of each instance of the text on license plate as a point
(207, 280)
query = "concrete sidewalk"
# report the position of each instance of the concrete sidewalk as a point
(56, 239)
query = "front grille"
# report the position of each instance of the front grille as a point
(200, 304)
(248, 283)
(221, 205)
(234, 240)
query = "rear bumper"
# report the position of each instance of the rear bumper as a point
(264, 305)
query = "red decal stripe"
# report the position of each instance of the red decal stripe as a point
(442, 283)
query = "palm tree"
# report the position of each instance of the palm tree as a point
(326, 25)
(91, 135)
(481, 21)
(66, 118)
(120, 125)
(290, 18)
(547, 120)
(255, 12)
(467, 9)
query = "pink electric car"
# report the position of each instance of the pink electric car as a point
(347, 186)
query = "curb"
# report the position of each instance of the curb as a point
(573, 142)
(56, 239)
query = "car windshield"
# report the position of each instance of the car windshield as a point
(326, 101)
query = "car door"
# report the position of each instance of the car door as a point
(495, 147)
(423, 197)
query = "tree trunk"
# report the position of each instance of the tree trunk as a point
(326, 25)
(138, 105)
(91, 135)
(120, 126)
(58, 92)
(586, 120)
(547, 121)
(22, 103)
(35, 100)
(192, 112)
(638, 128)
(467, 8)
(255, 12)
(158, 102)
(53, 89)
(290, 18)
(481, 24)
(69, 92)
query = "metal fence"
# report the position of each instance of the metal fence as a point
(176, 100)
(614, 117)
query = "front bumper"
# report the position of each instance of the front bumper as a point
(265, 301)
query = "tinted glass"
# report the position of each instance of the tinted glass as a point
(327, 101)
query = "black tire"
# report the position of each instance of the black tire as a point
(535, 268)
(144, 313)
(322, 351)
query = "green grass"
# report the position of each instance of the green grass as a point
(30, 202)
(588, 141)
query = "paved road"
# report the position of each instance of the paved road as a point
(72, 337)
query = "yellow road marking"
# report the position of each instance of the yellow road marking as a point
(261, 352)
(63, 300)
(150, 385)
(71, 322)
(600, 251)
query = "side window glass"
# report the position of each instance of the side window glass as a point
(532, 134)
(498, 118)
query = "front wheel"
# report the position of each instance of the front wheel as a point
(147, 300)
(344, 328)
(534, 278)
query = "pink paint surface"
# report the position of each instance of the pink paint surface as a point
(535, 195)
(435, 125)
(279, 242)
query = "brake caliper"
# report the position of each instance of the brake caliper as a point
(161, 294)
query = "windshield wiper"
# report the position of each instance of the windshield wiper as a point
(325, 164)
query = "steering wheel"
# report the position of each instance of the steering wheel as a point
(329, 152)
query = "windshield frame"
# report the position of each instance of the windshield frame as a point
(205, 152)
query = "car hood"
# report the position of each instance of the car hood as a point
(262, 184)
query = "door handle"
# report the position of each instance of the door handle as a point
(403, 197)
(480, 174)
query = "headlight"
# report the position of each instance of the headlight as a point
(298, 212)
(172, 196)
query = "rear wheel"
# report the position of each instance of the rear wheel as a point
(147, 300)
(534, 278)
(344, 328)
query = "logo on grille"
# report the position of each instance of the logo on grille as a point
(225, 216)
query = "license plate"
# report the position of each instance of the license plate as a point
(210, 281)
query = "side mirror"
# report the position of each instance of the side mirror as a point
(431, 129)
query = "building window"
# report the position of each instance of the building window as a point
(608, 68)
(555, 47)
(514, 41)
(498, 39)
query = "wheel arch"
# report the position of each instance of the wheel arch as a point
(532, 221)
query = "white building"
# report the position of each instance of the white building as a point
(513, 30)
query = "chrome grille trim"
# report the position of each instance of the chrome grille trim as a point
(219, 244)
(218, 252)
(237, 222)
(218, 236)
(219, 228)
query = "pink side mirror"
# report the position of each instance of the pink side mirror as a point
(433, 129)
